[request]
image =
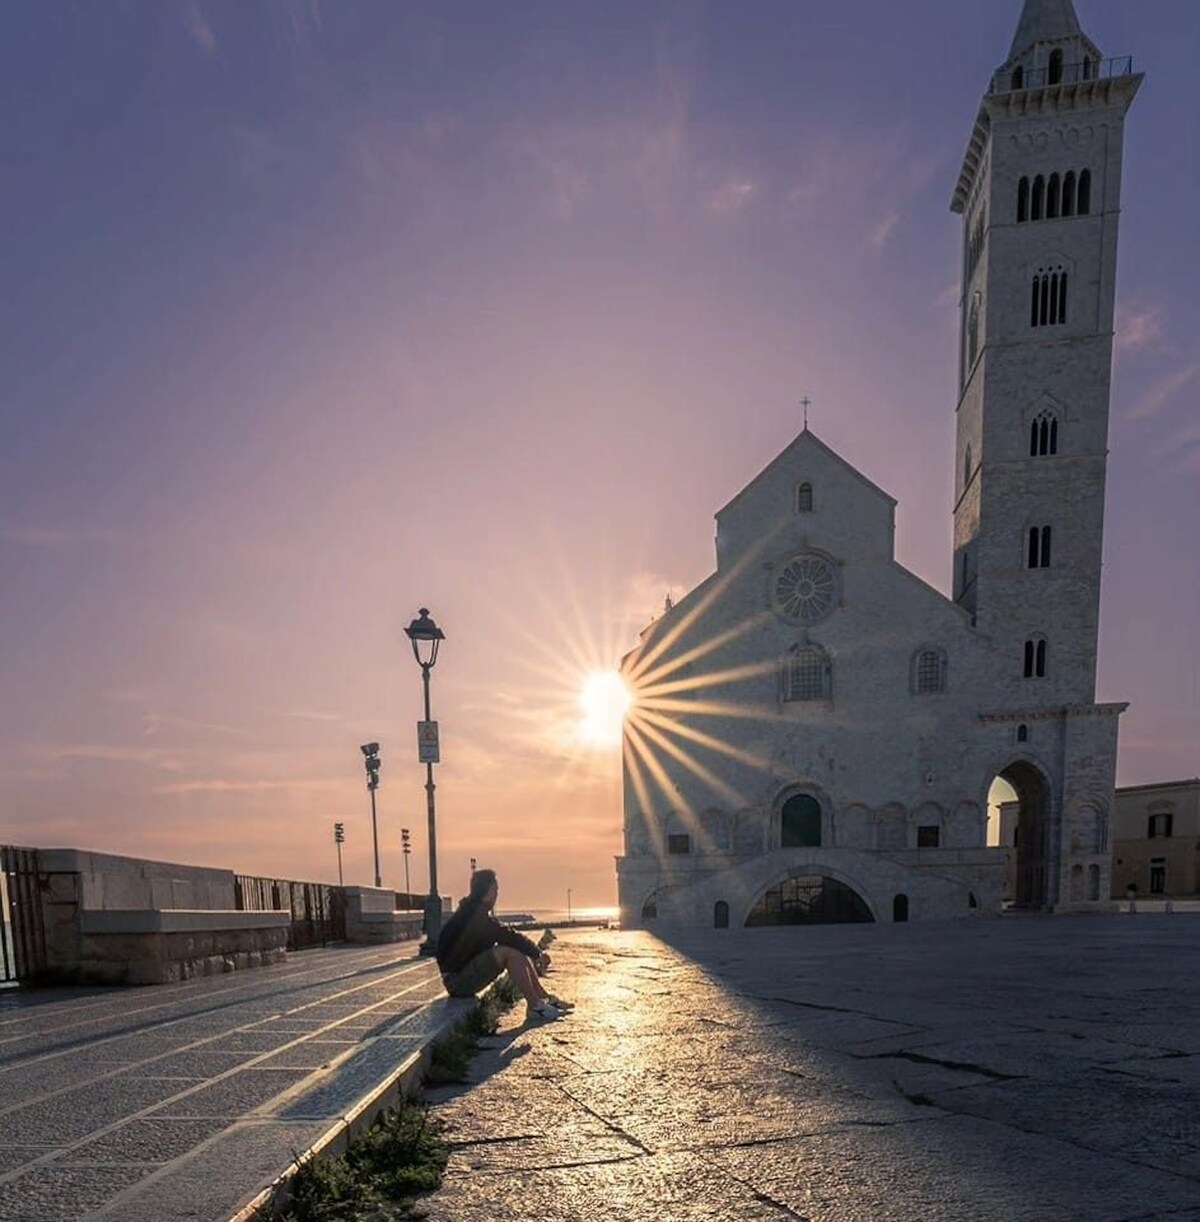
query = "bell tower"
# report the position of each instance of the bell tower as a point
(1039, 193)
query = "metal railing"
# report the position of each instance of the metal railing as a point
(22, 931)
(1014, 80)
(318, 910)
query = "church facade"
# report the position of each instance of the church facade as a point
(815, 729)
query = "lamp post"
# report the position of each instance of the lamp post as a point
(371, 753)
(406, 849)
(569, 921)
(426, 639)
(339, 838)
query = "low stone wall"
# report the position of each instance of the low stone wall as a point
(371, 917)
(123, 920)
(167, 946)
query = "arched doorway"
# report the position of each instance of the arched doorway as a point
(1024, 826)
(800, 823)
(809, 899)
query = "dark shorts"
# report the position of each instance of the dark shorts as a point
(475, 975)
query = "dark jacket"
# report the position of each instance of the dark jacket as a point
(471, 931)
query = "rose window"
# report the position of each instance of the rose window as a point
(806, 589)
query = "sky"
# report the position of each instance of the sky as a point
(317, 313)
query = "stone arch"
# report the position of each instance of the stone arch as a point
(1034, 853)
(810, 896)
(891, 827)
(1088, 828)
(966, 826)
(801, 812)
(1076, 883)
(928, 814)
(852, 827)
(716, 831)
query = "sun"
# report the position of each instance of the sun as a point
(604, 700)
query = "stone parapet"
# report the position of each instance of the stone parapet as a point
(372, 917)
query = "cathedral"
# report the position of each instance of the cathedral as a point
(815, 730)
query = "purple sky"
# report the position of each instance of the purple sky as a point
(317, 313)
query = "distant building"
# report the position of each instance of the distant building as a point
(816, 729)
(1156, 840)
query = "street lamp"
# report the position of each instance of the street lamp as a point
(426, 639)
(406, 849)
(372, 762)
(339, 838)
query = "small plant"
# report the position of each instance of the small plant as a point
(402, 1153)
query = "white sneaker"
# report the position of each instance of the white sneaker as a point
(543, 1012)
(563, 1007)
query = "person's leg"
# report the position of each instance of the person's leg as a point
(522, 974)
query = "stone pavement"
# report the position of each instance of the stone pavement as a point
(982, 1071)
(181, 1101)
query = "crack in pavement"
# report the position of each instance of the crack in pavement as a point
(919, 1058)
(604, 1120)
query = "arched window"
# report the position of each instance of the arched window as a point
(1037, 554)
(1053, 192)
(1035, 658)
(1068, 194)
(1084, 201)
(720, 915)
(1048, 298)
(1023, 200)
(800, 823)
(900, 908)
(806, 674)
(1054, 72)
(1043, 435)
(804, 498)
(1022, 733)
(1018, 78)
(928, 671)
(649, 910)
(973, 333)
(1038, 202)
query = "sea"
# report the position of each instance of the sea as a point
(559, 916)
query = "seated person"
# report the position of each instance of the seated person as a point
(474, 948)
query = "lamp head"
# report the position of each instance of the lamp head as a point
(426, 638)
(369, 749)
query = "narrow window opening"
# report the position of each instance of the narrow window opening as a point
(1044, 559)
(1028, 659)
(1044, 307)
(1044, 436)
(900, 908)
(1041, 659)
(1053, 447)
(1018, 78)
(1062, 297)
(1023, 200)
(1054, 299)
(1084, 202)
(1053, 190)
(1022, 733)
(1068, 194)
(928, 836)
(804, 498)
(1031, 560)
(1038, 205)
(1033, 439)
(1054, 73)
(721, 915)
(1033, 302)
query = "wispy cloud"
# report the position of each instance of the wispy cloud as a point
(1139, 326)
(255, 785)
(732, 196)
(882, 232)
(152, 723)
(197, 27)
(1160, 393)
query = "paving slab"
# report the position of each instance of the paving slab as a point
(1032, 1070)
(184, 1101)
